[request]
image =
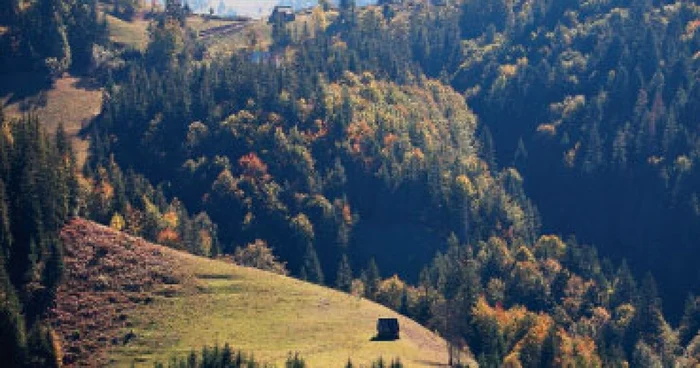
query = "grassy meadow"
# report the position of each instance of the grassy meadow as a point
(270, 315)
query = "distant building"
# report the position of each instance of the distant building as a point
(388, 329)
(282, 13)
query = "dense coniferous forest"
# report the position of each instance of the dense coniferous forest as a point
(441, 143)
(596, 105)
(38, 193)
(39, 182)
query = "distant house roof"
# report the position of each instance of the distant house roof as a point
(282, 12)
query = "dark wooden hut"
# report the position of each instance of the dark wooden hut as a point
(388, 329)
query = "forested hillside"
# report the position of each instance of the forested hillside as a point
(39, 188)
(596, 104)
(343, 146)
(310, 162)
(38, 192)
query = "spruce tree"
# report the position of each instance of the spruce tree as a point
(521, 154)
(41, 347)
(343, 279)
(549, 349)
(488, 149)
(624, 287)
(347, 9)
(5, 230)
(12, 327)
(648, 320)
(371, 279)
(690, 323)
(311, 267)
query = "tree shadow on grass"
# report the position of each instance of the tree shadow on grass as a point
(17, 87)
(87, 83)
(429, 363)
(383, 338)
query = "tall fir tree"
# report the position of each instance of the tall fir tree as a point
(343, 279)
(371, 278)
(311, 267)
(690, 322)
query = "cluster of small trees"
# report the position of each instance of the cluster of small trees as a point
(226, 357)
(259, 255)
(50, 36)
(129, 203)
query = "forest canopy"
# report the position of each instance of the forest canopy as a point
(350, 143)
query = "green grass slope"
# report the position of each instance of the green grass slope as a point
(125, 300)
(133, 34)
(69, 100)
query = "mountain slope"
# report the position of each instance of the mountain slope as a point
(125, 300)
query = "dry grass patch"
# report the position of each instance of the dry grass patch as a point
(72, 101)
(133, 34)
(108, 276)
